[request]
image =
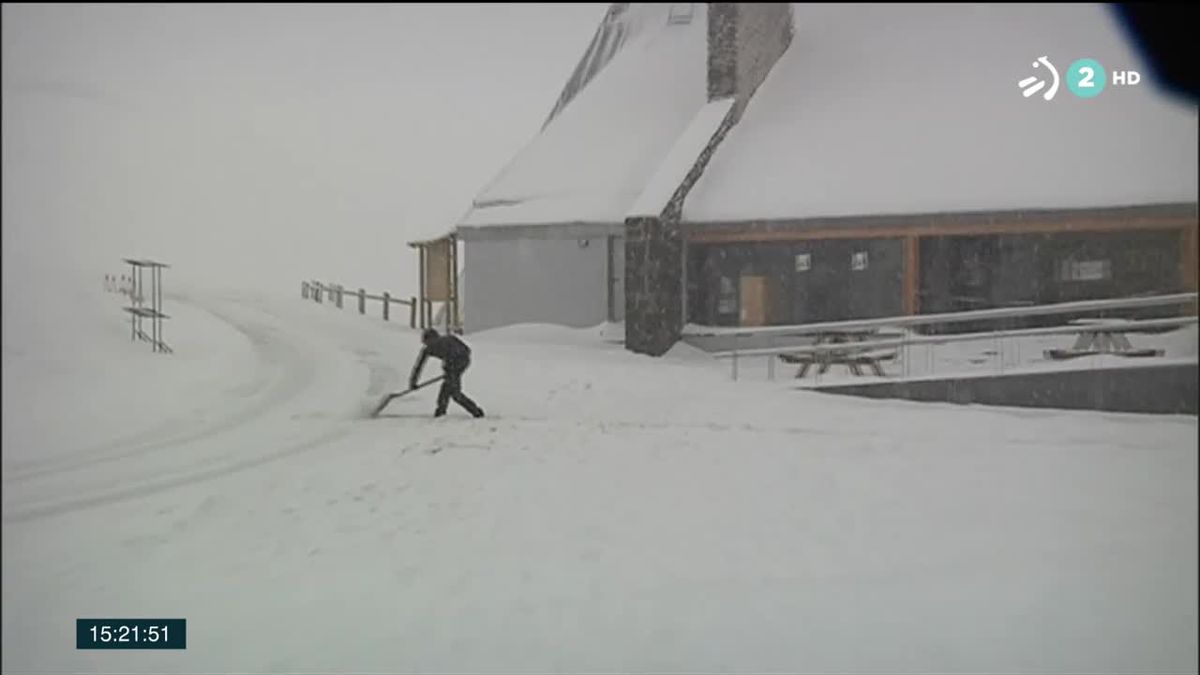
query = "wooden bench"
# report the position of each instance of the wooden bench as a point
(851, 356)
(854, 362)
(1092, 342)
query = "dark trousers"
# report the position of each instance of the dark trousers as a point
(452, 389)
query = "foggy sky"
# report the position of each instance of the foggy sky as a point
(259, 145)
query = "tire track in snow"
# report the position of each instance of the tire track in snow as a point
(150, 488)
(289, 374)
(293, 374)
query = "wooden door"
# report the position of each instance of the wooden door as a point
(755, 301)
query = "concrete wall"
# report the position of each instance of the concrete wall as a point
(1165, 389)
(511, 281)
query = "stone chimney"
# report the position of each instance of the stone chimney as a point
(745, 39)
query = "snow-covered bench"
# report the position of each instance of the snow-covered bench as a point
(849, 355)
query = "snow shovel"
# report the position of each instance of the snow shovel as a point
(388, 399)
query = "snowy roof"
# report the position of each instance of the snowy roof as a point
(596, 155)
(913, 108)
(680, 160)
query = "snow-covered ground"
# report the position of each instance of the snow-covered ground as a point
(613, 513)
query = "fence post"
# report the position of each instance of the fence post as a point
(338, 292)
(387, 304)
(771, 360)
(412, 313)
(736, 343)
(362, 301)
(319, 293)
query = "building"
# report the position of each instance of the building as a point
(770, 164)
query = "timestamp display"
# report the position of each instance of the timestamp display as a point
(131, 633)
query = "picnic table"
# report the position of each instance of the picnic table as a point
(1101, 336)
(853, 357)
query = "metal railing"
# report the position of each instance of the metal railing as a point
(337, 294)
(949, 317)
(866, 325)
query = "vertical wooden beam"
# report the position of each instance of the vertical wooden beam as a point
(448, 303)
(458, 314)
(421, 285)
(912, 273)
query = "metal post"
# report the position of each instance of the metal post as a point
(771, 360)
(387, 304)
(412, 312)
(362, 301)
(158, 283)
(162, 346)
(736, 343)
(136, 296)
(154, 304)
(154, 308)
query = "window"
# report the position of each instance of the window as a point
(1085, 270)
(727, 297)
(858, 261)
(681, 12)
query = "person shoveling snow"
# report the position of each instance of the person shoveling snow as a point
(456, 357)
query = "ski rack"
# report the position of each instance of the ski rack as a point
(138, 310)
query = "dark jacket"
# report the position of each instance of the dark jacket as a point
(453, 352)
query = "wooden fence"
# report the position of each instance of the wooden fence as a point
(337, 295)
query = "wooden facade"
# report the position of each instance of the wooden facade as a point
(844, 268)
